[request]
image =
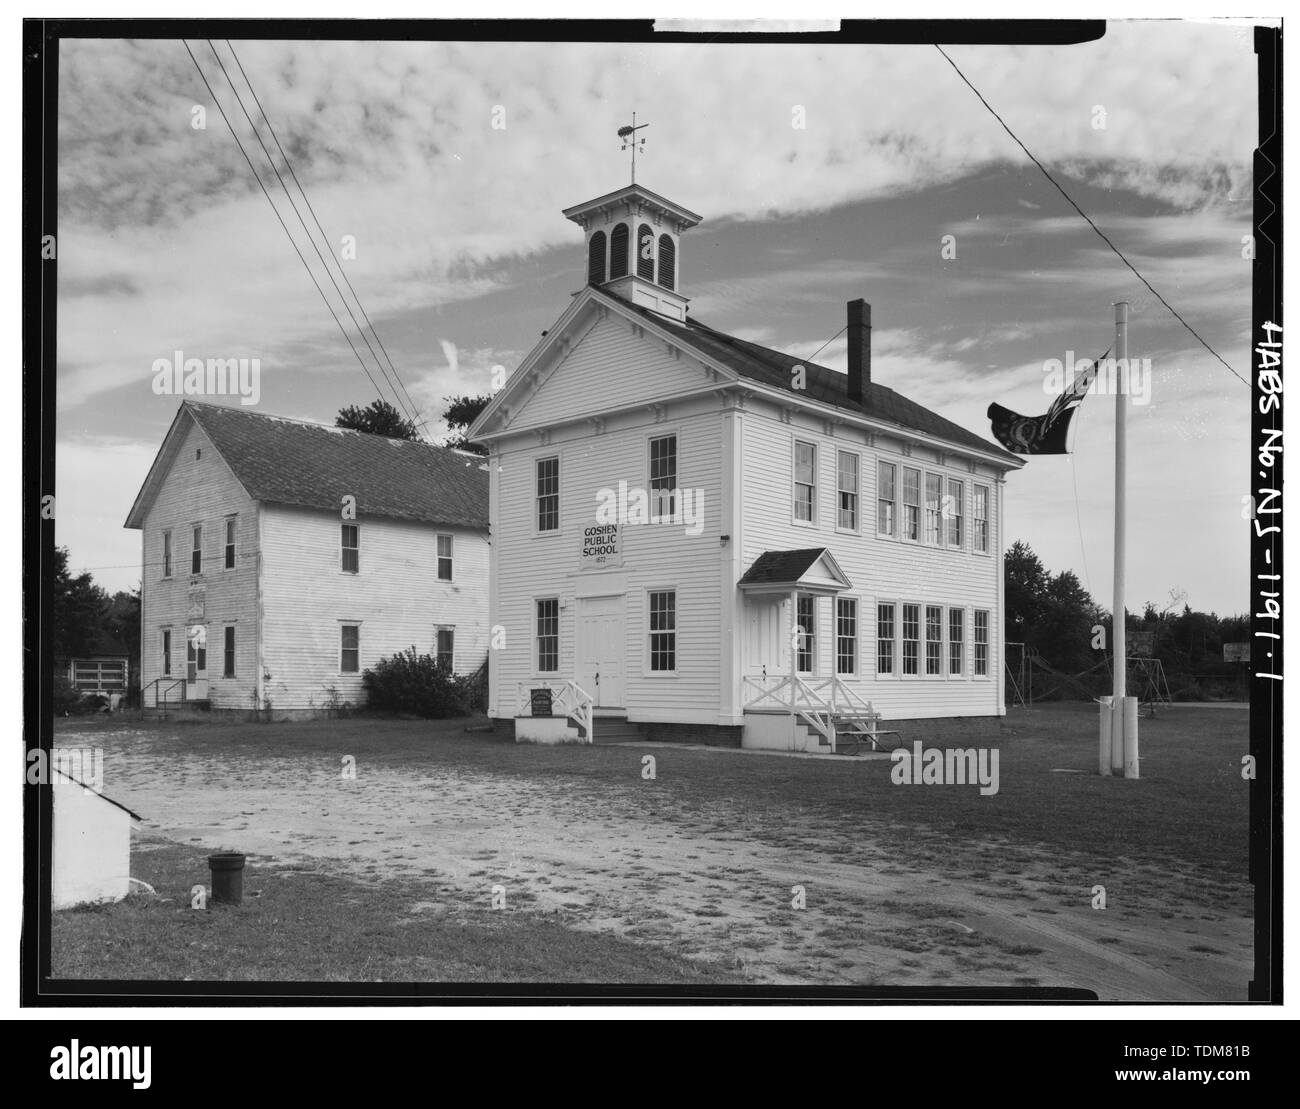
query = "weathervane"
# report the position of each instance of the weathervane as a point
(630, 141)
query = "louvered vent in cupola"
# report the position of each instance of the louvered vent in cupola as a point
(667, 262)
(645, 253)
(618, 252)
(596, 259)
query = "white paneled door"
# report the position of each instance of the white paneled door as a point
(602, 648)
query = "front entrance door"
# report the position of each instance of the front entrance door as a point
(602, 648)
(196, 663)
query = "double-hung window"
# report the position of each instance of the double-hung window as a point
(885, 639)
(805, 482)
(350, 541)
(663, 477)
(663, 631)
(445, 545)
(847, 472)
(911, 503)
(886, 498)
(548, 494)
(548, 635)
(846, 635)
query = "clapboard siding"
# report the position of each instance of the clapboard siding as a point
(201, 490)
(655, 556)
(609, 367)
(881, 569)
(396, 598)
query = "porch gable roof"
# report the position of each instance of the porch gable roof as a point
(811, 570)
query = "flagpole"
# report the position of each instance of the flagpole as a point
(1123, 729)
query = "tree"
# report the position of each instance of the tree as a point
(459, 414)
(1026, 581)
(76, 608)
(377, 418)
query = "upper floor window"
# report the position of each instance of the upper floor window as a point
(805, 481)
(618, 251)
(596, 258)
(230, 543)
(167, 554)
(667, 262)
(981, 511)
(848, 491)
(444, 557)
(196, 552)
(663, 476)
(886, 498)
(351, 546)
(911, 503)
(645, 252)
(953, 511)
(548, 493)
(933, 509)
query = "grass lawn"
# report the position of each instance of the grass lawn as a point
(312, 927)
(614, 878)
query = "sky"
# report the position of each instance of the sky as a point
(823, 172)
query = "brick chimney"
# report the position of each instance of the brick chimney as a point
(859, 350)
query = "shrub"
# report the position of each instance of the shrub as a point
(414, 683)
(70, 701)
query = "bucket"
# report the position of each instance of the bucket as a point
(227, 877)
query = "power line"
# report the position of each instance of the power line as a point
(292, 242)
(316, 220)
(1118, 253)
(310, 238)
(828, 342)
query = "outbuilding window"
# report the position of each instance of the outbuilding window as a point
(350, 538)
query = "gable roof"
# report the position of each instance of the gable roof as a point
(787, 569)
(292, 462)
(747, 362)
(772, 368)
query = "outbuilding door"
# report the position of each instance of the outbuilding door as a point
(602, 649)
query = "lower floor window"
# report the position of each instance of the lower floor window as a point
(846, 635)
(167, 652)
(228, 654)
(981, 643)
(911, 638)
(933, 639)
(663, 631)
(350, 649)
(548, 635)
(446, 648)
(956, 640)
(884, 639)
(806, 618)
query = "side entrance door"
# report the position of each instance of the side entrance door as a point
(602, 649)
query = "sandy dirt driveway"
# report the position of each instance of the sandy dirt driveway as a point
(798, 904)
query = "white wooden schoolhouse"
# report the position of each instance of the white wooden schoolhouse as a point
(281, 559)
(719, 542)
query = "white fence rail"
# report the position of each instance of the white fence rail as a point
(568, 699)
